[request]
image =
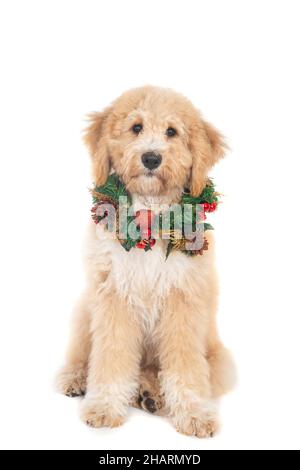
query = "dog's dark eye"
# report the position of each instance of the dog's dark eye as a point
(171, 132)
(137, 128)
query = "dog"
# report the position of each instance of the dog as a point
(144, 330)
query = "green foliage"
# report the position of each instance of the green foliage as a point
(169, 249)
(207, 226)
(114, 188)
(208, 195)
(128, 243)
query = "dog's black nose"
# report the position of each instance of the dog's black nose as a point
(151, 160)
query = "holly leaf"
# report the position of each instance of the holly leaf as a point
(207, 226)
(113, 188)
(128, 243)
(169, 249)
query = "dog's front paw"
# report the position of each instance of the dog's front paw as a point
(198, 419)
(196, 426)
(96, 416)
(71, 381)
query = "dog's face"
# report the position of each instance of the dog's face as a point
(155, 140)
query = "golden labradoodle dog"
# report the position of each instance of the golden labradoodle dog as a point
(144, 330)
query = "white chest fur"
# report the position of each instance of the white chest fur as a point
(144, 279)
(149, 272)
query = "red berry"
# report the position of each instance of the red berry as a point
(143, 243)
(206, 206)
(213, 207)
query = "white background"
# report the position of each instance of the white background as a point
(239, 62)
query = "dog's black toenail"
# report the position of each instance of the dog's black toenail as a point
(74, 394)
(146, 394)
(150, 405)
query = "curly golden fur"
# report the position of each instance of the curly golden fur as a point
(144, 330)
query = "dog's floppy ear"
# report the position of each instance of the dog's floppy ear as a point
(96, 141)
(207, 146)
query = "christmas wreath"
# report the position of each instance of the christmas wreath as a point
(182, 224)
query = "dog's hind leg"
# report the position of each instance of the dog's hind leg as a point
(149, 397)
(71, 379)
(222, 369)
